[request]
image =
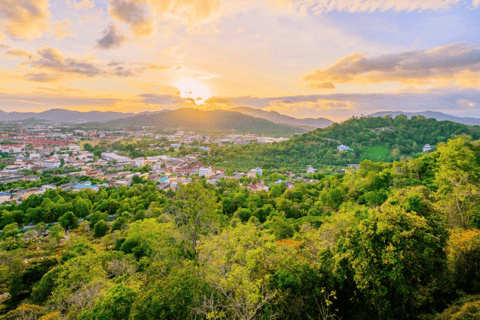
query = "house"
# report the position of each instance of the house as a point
(110, 156)
(427, 148)
(290, 185)
(163, 180)
(204, 171)
(261, 186)
(73, 148)
(253, 173)
(310, 169)
(51, 164)
(343, 148)
(86, 185)
(354, 166)
(34, 156)
(5, 196)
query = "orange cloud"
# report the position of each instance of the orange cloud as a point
(25, 19)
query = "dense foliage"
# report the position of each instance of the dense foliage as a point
(376, 139)
(389, 241)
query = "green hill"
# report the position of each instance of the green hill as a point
(377, 139)
(205, 122)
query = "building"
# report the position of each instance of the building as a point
(110, 156)
(427, 148)
(5, 196)
(86, 185)
(51, 163)
(343, 148)
(310, 169)
(73, 148)
(253, 173)
(204, 171)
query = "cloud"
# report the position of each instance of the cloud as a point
(62, 29)
(154, 66)
(141, 15)
(112, 38)
(18, 53)
(4, 46)
(51, 59)
(165, 99)
(320, 6)
(437, 66)
(25, 19)
(42, 77)
(81, 5)
(133, 13)
(323, 85)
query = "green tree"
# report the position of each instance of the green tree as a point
(69, 221)
(393, 255)
(100, 229)
(457, 178)
(115, 304)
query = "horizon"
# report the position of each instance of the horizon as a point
(194, 108)
(304, 59)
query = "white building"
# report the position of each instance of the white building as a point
(427, 147)
(51, 163)
(138, 162)
(17, 149)
(204, 171)
(34, 156)
(110, 156)
(310, 169)
(74, 148)
(343, 148)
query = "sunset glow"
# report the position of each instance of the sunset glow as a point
(192, 89)
(312, 58)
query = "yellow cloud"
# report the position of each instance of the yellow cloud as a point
(62, 29)
(18, 53)
(25, 19)
(438, 66)
(141, 15)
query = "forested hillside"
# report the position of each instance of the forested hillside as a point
(376, 139)
(213, 121)
(389, 241)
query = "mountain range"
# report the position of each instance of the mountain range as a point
(439, 116)
(205, 121)
(276, 117)
(67, 116)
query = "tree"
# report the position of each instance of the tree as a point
(56, 232)
(199, 212)
(393, 253)
(235, 266)
(69, 221)
(96, 217)
(115, 304)
(457, 178)
(100, 229)
(10, 230)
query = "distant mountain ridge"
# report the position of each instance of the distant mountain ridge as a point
(67, 116)
(276, 117)
(206, 121)
(439, 116)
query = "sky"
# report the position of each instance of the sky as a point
(303, 58)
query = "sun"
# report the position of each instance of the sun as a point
(190, 88)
